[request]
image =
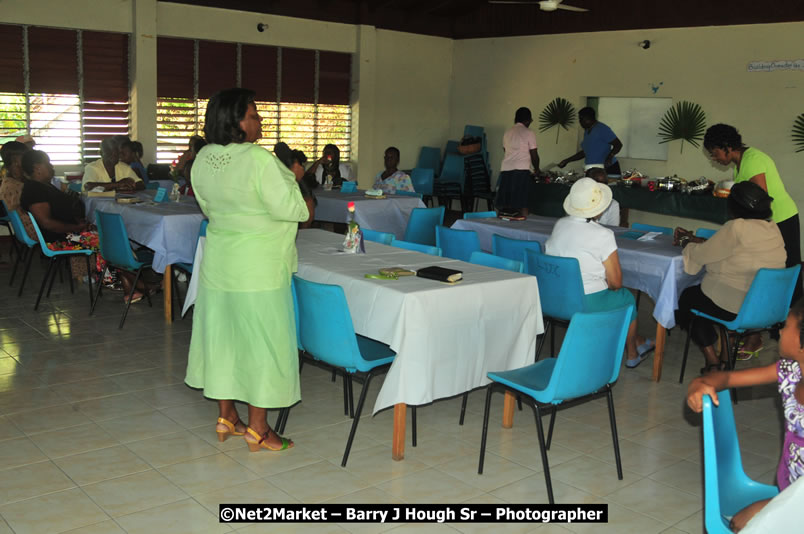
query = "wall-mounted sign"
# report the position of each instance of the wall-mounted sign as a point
(782, 64)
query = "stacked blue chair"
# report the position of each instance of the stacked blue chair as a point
(457, 244)
(514, 249)
(706, 233)
(765, 307)
(666, 230)
(451, 148)
(423, 179)
(407, 245)
(328, 335)
(449, 185)
(430, 158)
(56, 256)
(187, 267)
(116, 250)
(560, 290)
(498, 262)
(422, 223)
(378, 237)
(595, 344)
(409, 194)
(727, 489)
(480, 215)
(27, 246)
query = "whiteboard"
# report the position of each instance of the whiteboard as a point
(635, 122)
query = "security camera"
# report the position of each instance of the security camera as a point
(644, 44)
(261, 27)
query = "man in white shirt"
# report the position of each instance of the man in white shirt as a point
(330, 163)
(610, 217)
(519, 144)
(109, 172)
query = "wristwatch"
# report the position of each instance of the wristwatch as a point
(684, 240)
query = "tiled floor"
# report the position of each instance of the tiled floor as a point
(98, 434)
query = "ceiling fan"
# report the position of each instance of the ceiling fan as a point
(544, 5)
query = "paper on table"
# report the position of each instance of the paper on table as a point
(650, 236)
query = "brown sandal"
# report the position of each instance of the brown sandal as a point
(230, 429)
(262, 443)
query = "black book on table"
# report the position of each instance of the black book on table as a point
(441, 274)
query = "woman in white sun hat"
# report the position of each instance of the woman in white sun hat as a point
(578, 235)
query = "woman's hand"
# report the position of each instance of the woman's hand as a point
(695, 392)
(678, 233)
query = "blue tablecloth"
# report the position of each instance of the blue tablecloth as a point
(389, 214)
(170, 229)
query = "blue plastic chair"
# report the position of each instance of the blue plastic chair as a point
(426, 249)
(727, 489)
(348, 187)
(473, 131)
(652, 228)
(186, 267)
(457, 244)
(408, 194)
(514, 249)
(765, 306)
(706, 233)
(422, 223)
(75, 186)
(116, 250)
(498, 262)
(589, 363)
(378, 237)
(27, 245)
(560, 290)
(423, 179)
(480, 215)
(453, 171)
(56, 256)
(429, 158)
(451, 148)
(328, 335)
(152, 185)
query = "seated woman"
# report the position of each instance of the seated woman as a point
(194, 146)
(11, 187)
(580, 236)
(131, 153)
(295, 160)
(330, 166)
(732, 257)
(109, 172)
(391, 179)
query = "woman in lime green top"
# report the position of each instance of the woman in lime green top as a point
(244, 334)
(725, 146)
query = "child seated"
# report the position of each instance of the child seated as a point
(787, 373)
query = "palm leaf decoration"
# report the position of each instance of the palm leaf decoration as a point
(559, 112)
(798, 133)
(685, 121)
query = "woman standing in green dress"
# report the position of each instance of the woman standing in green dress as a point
(244, 334)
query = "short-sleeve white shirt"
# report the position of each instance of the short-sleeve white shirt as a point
(589, 242)
(518, 141)
(345, 168)
(96, 172)
(611, 217)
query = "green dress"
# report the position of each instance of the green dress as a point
(244, 333)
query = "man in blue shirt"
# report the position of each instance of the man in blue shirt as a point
(599, 144)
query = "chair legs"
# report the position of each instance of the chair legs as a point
(27, 270)
(49, 271)
(130, 295)
(485, 430)
(356, 419)
(686, 352)
(89, 280)
(463, 407)
(553, 411)
(98, 289)
(615, 439)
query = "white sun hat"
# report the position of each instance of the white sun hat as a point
(587, 199)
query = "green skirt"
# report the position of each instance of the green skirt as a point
(244, 347)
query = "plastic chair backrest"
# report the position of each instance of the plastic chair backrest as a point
(451, 148)
(75, 186)
(43, 244)
(768, 299)
(348, 187)
(560, 283)
(152, 185)
(472, 131)
(19, 229)
(327, 331)
(422, 223)
(498, 262)
(652, 228)
(457, 244)
(202, 231)
(511, 248)
(429, 158)
(706, 233)
(378, 237)
(453, 170)
(727, 489)
(595, 343)
(408, 245)
(296, 315)
(408, 194)
(114, 245)
(422, 179)
(479, 214)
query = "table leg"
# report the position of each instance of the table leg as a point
(398, 446)
(508, 410)
(658, 355)
(167, 287)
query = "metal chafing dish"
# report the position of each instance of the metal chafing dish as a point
(668, 184)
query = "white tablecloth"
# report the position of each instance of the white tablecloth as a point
(384, 215)
(653, 267)
(170, 229)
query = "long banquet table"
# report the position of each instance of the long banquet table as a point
(170, 229)
(653, 267)
(388, 214)
(446, 337)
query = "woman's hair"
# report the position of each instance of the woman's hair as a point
(32, 158)
(723, 136)
(299, 157)
(224, 112)
(747, 200)
(587, 112)
(333, 148)
(136, 147)
(797, 311)
(393, 149)
(109, 144)
(11, 150)
(523, 115)
(197, 143)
